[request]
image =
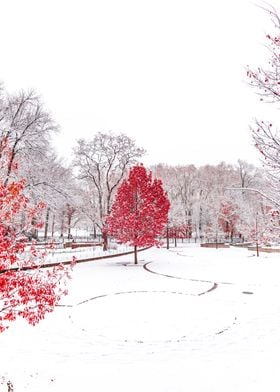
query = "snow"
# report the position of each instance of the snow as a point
(186, 322)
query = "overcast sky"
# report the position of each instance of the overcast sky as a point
(168, 73)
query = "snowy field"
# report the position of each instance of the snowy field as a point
(187, 319)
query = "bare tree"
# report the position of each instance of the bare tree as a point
(26, 126)
(247, 174)
(103, 162)
(89, 208)
(215, 202)
(48, 179)
(266, 81)
(180, 182)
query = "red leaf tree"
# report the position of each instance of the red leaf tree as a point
(140, 210)
(228, 219)
(26, 290)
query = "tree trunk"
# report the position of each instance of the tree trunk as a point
(62, 225)
(105, 240)
(10, 386)
(22, 221)
(34, 230)
(46, 224)
(189, 229)
(135, 255)
(69, 226)
(53, 222)
(257, 235)
(167, 237)
(216, 240)
(200, 220)
(175, 239)
(10, 164)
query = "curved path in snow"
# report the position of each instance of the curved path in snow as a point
(145, 266)
(215, 285)
(212, 285)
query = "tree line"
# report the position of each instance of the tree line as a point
(211, 202)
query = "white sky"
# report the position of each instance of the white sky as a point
(168, 73)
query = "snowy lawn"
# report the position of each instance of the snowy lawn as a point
(188, 319)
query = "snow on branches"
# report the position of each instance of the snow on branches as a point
(140, 210)
(266, 81)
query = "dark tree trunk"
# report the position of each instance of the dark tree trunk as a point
(10, 386)
(69, 226)
(257, 235)
(167, 237)
(105, 240)
(10, 164)
(47, 224)
(62, 225)
(135, 255)
(22, 221)
(53, 222)
(34, 230)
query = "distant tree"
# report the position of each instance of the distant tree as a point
(89, 209)
(247, 175)
(26, 125)
(140, 210)
(180, 183)
(102, 163)
(48, 179)
(258, 222)
(228, 219)
(23, 292)
(214, 202)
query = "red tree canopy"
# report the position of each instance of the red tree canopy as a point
(26, 293)
(140, 210)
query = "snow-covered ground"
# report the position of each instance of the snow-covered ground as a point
(187, 319)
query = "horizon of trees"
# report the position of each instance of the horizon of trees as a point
(209, 202)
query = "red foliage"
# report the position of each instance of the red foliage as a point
(26, 293)
(140, 209)
(178, 231)
(228, 219)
